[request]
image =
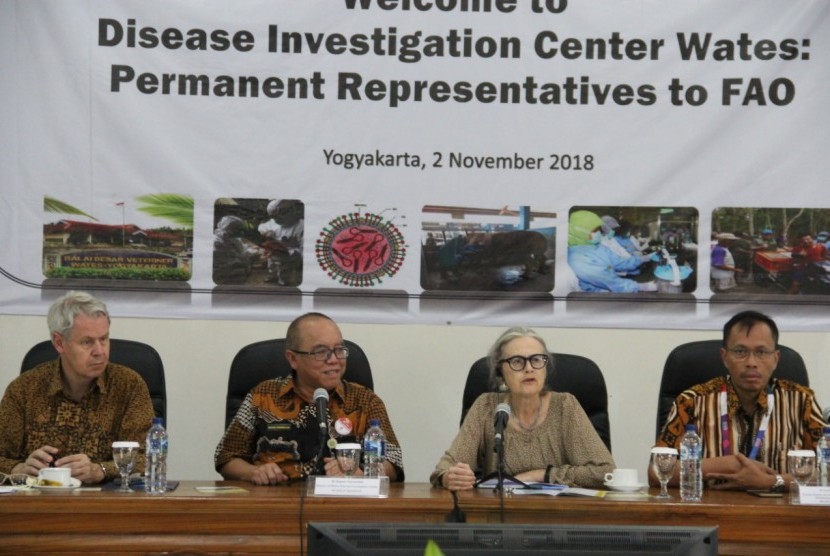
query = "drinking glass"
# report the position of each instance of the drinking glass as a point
(802, 464)
(663, 461)
(348, 457)
(124, 454)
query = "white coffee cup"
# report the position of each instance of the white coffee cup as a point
(55, 476)
(622, 477)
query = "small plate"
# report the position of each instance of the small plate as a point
(75, 484)
(626, 488)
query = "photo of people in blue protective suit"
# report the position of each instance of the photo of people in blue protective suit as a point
(633, 249)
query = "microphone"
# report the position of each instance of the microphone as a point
(321, 400)
(502, 415)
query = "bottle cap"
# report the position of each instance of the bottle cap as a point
(374, 422)
(691, 427)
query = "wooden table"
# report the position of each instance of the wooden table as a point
(272, 519)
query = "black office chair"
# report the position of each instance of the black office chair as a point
(263, 360)
(697, 362)
(574, 374)
(142, 358)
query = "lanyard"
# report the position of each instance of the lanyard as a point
(724, 423)
(762, 430)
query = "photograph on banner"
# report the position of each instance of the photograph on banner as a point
(770, 251)
(619, 249)
(363, 249)
(146, 239)
(484, 249)
(258, 242)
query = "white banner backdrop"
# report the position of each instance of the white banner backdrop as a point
(427, 156)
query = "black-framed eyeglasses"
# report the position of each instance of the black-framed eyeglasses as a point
(323, 354)
(518, 362)
(740, 353)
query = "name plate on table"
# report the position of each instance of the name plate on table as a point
(814, 495)
(356, 487)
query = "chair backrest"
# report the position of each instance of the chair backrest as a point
(697, 362)
(142, 358)
(574, 374)
(263, 360)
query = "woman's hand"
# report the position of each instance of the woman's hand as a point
(532, 476)
(459, 477)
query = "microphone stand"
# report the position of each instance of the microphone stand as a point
(500, 464)
(499, 474)
(320, 467)
(503, 413)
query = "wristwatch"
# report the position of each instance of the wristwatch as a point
(778, 486)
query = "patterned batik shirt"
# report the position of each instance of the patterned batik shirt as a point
(275, 425)
(36, 412)
(796, 420)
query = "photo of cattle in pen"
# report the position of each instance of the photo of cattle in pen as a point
(487, 249)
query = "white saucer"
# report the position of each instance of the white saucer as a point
(75, 484)
(625, 488)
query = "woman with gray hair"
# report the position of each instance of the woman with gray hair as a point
(548, 438)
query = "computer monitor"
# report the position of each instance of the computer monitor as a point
(470, 539)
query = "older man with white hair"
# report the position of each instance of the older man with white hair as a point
(67, 412)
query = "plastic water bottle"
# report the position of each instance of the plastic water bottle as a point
(691, 474)
(374, 450)
(155, 476)
(823, 457)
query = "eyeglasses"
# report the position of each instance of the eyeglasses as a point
(518, 362)
(323, 354)
(15, 479)
(743, 353)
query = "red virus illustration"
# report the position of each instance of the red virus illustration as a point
(359, 250)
